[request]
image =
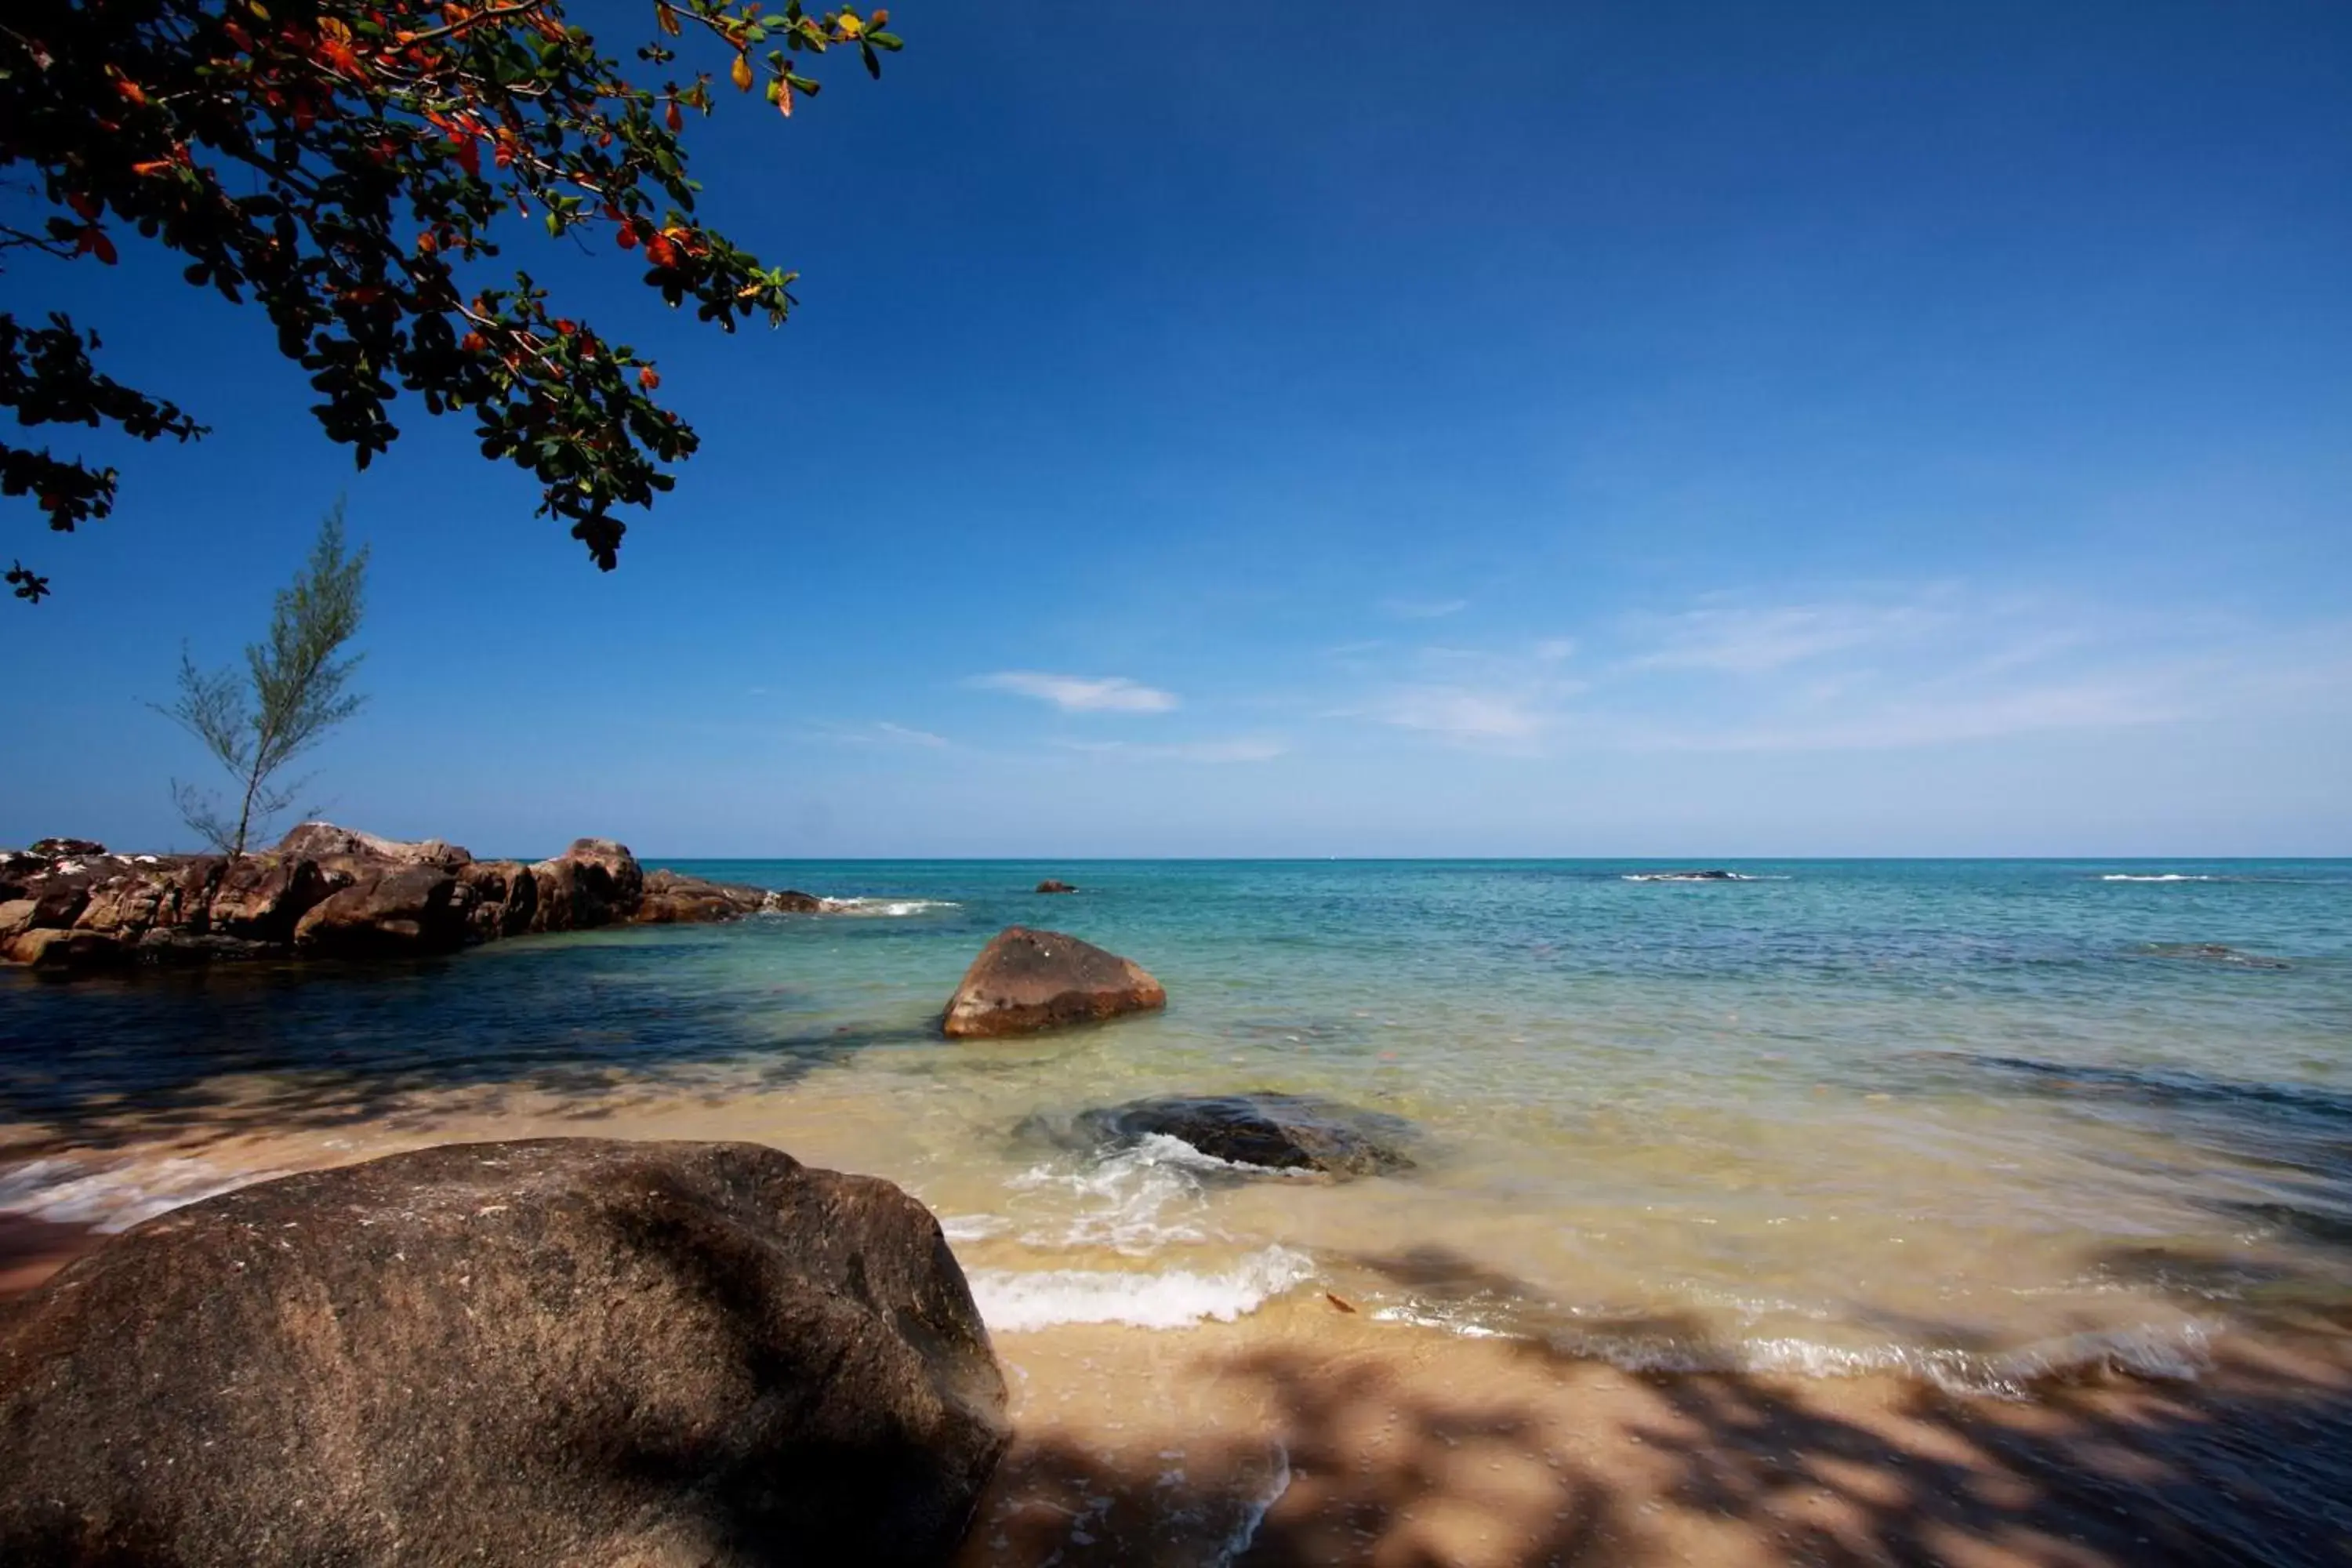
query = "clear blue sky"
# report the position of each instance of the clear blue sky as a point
(1669, 429)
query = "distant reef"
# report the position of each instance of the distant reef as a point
(68, 904)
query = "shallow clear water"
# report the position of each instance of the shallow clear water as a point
(1967, 1120)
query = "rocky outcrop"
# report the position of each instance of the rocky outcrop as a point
(416, 908)
(1052, 886)
(560, 1350)
(332, 891)
(1028, 980)
(1276, 1131)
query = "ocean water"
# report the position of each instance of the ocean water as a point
(1974, 1122)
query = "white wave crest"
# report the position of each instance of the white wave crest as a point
(118, 1195)
(2178, 1353)
(889, 909)
(2162, 877)
(973, 1226)
(1017, 1300)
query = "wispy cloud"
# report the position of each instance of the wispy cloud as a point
(1424, 609)
(1759, 639)
(880, 732)
(1235, 749)
(1078, 693)
(1460, 712)
(1894, 666)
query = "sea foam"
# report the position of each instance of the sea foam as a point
(1015, 1301)
(115, 1197)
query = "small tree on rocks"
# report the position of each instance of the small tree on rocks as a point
(292, 691)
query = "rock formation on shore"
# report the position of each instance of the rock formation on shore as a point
(1027, 979)
(330, 891)
(554, 1351)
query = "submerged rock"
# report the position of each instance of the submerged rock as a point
(1051, 885)
(2214, 952)
(1715, 875)
(558, 1350)
(1277, 1131)
(1027, 979)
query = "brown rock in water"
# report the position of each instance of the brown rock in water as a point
(48, 947)
(594, 883)
(506, 895)
(671, 898)
(566, 1351)
(15, 919)
(1050, 886)
(259, 898)
(415, 908)
(1026, 980)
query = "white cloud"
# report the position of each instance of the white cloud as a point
(912, 737)
(1460, 712)
(1552, 650)
(1080, 694)
(1424, 609)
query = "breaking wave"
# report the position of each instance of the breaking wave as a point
(1018, 1300)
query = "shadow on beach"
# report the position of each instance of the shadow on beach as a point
(1336, 1441)
(581, 1029)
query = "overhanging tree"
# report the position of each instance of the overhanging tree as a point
(343, 165)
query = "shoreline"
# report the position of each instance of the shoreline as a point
(1303, 1432)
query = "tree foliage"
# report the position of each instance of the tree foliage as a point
(346, 165)
(294, 688)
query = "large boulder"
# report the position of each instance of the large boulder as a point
(48, 947)
(1275, 1132)
(1026, 980)
(65, 848)
(565, 1351)
(595, 882)
(672, 898)
(506, 895)
(325, 841)
(260, 897)
(413, 909)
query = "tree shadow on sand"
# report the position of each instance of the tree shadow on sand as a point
(1370, 1448)
(583, 1031)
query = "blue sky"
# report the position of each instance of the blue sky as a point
(1681, 429)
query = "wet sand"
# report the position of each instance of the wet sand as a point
(1305, 1436)
(33, 1250)
(1311, 1434)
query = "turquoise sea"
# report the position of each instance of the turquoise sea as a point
(1971, 1122)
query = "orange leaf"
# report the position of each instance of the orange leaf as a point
(668, 19)
(673, 118)
(741, 74)
(647, 379)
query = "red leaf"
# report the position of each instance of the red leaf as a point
(647, 379)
